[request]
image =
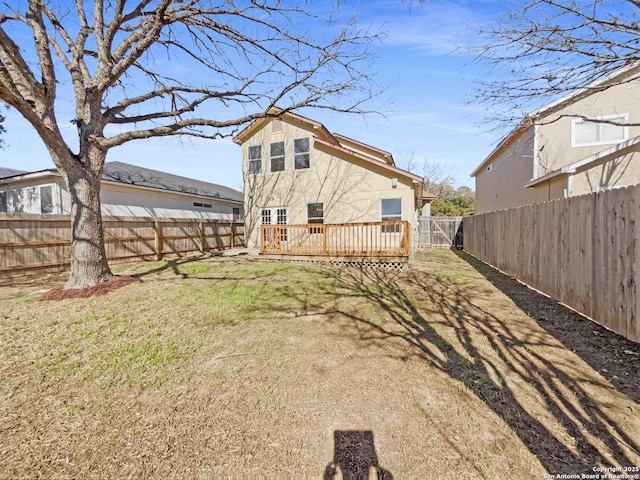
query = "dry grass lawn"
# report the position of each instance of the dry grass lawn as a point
(229, 366)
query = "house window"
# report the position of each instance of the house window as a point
(610, 130)
(265, 217)
(391, 210)
(202, 205)
(3, 202)
(281, 216)
(237, 213)
(277, 157)
(273, 216)
(315, 214)
(255, 160)
(46, 199)
(301, 153)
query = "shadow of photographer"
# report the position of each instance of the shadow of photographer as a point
(355, 457)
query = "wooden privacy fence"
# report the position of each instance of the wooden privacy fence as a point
(35, 243)
(582, 251)
(440, 232)
(380, 239)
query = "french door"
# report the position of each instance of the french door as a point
(274, 216)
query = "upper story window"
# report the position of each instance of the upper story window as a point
(255, 159)
(46, 199)
(301, 153)
(277, 157)
(237, 213)
(3, 202)
(611, 129)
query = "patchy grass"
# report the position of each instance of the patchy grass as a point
(212, 366)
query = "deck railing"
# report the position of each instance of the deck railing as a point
(349, 239)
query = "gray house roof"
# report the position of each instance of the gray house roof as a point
(145, 177)
(127, 174)
(10, 172)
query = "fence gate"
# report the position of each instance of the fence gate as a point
(440, 232)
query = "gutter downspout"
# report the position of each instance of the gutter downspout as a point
(570, 186)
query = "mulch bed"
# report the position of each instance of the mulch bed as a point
(59, 293)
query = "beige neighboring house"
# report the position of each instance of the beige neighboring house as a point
(126, 191)
(296, 172)
(582, 143)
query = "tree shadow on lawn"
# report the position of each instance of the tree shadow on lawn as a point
(174, 264)
(444, 324)
(617, 358)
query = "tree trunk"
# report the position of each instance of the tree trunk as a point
(89, 264)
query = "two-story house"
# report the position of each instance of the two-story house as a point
(295, 172)
(584, 142)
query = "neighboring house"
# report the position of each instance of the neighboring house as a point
(296, 172)
(126, 191)
(585, 142)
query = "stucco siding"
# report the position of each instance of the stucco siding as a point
(351, 189)
(554, 141)
(500, 184)
(621, 172)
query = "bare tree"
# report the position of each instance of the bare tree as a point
(554, 47)
(117, 62)
(437, 179)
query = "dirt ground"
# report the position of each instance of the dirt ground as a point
(211, 367)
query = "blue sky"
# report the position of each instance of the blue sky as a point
(427, 114)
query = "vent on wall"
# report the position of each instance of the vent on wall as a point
(276, 126)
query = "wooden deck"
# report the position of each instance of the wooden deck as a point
(370, 241)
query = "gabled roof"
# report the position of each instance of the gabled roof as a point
(274, 112)
(622, 75)
(336, 141)
(10, 172)
(126, 174)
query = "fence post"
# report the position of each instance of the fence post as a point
(233, 234)
(407, 238)
(157, 228)
(324, 240)
(201, 234)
